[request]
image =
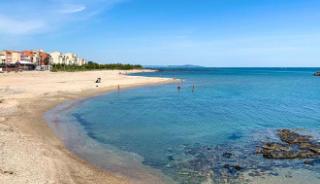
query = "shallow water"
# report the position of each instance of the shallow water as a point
(184, 133)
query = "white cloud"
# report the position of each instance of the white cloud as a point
(72, 8)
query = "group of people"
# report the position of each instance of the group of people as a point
(98, 81)
(193, 87)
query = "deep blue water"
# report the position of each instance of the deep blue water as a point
(228, 106)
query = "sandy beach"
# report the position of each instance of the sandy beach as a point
(29, 150)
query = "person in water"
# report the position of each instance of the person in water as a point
(193, 88)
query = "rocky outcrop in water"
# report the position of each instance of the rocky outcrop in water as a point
(238, 162)
(292, 146)
(317, 74)
(197, 163)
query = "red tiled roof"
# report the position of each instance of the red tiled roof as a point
(27, 53)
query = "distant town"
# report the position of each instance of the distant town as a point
(36, 60)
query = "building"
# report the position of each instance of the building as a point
(27, 57)
(15, 56)
(2, 58)
(81, 61)
(44, 58)
(57, 58)
(16, 61)
(67, 59)
(9, 57)
(36, 57)
(71, 58)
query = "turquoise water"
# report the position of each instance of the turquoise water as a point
(229, 107)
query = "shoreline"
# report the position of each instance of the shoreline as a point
(26, 138)
(103, 156)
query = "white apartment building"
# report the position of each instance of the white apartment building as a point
(67, 59)
(81, 61)
(71, 59)
(57, 58)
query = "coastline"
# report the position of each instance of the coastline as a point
(26, 139)
(103, 156)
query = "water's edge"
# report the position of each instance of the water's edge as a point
(76, 140)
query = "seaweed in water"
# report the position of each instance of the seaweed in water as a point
(235, 136)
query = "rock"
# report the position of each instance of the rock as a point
(238, 167)
(308, 162)
(315, 148)
(275, 146)
(291, 137)
(226, 165)
(316, 74)
(170, 158)
(312, 162)
(305, 154)
(277, 151)
(232, 169)
(294, 146)
(227, 155)
(251, 174)
(280, 154)
(274, 174)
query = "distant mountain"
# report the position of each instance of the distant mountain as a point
(173, 66)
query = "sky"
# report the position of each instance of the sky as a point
(217, 33)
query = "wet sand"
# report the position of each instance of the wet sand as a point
(30, 152)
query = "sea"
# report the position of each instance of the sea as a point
(206, 128)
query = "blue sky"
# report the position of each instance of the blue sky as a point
(151, 32)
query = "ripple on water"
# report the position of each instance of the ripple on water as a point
(208, 135)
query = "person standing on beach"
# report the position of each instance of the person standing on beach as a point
(98, 81)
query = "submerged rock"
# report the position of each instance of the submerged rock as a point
(235, 136)
(293, 146)
(312, 162)
(291, 137)
(232, 169)
(228, 163)
(227, 155)
(170, 157)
